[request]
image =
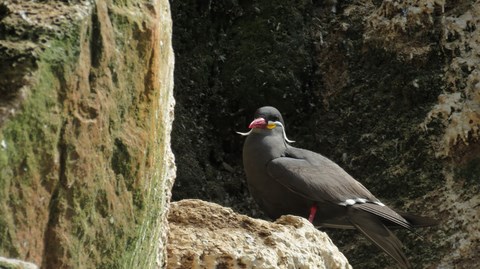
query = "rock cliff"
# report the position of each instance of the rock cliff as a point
(387, 89)
(85, 114)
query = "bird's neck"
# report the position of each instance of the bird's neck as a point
(267, 144)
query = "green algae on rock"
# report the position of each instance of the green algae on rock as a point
(90, 92)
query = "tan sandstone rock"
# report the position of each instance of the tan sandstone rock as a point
(6, 263)
(206, 235)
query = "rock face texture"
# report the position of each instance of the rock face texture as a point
(85, 114)
(16, 264)
(387, 89)
(209, 236)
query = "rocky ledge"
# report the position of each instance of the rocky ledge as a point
(207, 235)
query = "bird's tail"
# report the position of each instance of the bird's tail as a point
(373, 228)
(418, 221)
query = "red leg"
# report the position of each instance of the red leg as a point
(313, 211)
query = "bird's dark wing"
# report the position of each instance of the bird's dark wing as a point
(317, 178)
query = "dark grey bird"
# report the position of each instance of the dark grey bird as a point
(287, 180)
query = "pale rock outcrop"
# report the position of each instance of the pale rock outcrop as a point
(6, 263)
(206, 235)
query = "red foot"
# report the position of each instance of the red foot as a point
(313, 211)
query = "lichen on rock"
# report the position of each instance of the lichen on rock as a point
(458, 107)
(86, 109)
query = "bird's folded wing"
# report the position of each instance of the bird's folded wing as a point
(317, 178)
(386, 213)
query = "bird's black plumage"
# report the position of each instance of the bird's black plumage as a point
(287, 180)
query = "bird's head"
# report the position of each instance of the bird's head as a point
(268, 118)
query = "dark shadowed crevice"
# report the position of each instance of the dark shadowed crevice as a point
(52, 250)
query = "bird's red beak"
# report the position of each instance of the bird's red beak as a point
(258, 123)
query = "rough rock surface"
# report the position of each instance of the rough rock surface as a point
(16, 264)
(86, 110)
(209, 236)
(387, 89)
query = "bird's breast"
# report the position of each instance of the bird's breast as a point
(272, 197)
